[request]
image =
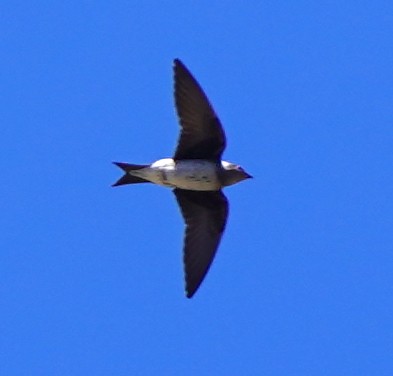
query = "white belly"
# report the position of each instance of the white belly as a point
(196, 175)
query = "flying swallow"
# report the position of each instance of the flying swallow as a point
(197, 175)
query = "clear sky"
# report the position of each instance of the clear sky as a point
(91, 279)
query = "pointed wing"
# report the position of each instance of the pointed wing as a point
(205, 215)
(201, 135)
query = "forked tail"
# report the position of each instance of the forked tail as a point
(127, 178)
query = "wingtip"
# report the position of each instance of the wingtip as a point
(189, 295)
(177, 63)
(190, 290)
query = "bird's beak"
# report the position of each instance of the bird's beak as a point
(249, 176)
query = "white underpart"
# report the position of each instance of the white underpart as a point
(226, 164)
(196, 175)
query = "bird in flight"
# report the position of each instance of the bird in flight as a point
(196, 174)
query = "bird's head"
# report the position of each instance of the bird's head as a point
(233, 173)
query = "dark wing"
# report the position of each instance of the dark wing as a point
(205, 215)
(202, 135)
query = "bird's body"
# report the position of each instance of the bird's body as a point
(189, 174)
(196, 173)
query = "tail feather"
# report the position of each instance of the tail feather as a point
(129, 167)
(127, 178)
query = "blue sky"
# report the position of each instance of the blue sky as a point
(91, 279)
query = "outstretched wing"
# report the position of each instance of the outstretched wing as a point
(205, 214)
(201, 135)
